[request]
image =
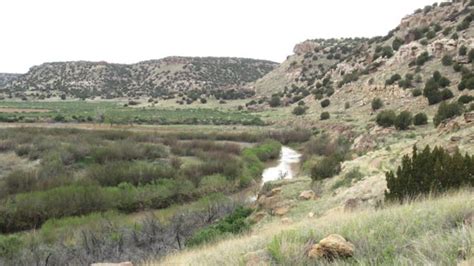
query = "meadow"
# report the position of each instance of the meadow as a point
(120, 113)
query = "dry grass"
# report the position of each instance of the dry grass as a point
(424, 231)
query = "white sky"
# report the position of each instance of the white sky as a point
(128, 31)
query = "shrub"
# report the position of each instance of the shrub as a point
(447, 60)
(422, 58)
(416, 92)
(347, 105)
(403, 120)
(457, 67)
(431, 91)
(397, 42)
(470, 56)
(299, 110)
(420, 119)
(325, 103)
(462, 50)
(386, 118)
(235, 223)
(377, 103)
(446, 111)
(324, 116)
(465, 99)
(275, 101)
(327, 167)
(446, 94)
(429, 171)
(394, 78)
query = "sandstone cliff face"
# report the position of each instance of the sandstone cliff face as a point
(149, 78)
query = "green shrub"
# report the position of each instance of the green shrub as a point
(416, 92)
(422, 58)
(447, 111)
(299, 110)
(403, 120)
(462, 50)
(446, 94)
(420, 119)
(377, 103)
(464, 99)
(235, 223)
(394, 78)
(447, 60)
(275, 101)
(470, 56)
(397, 42)
(429, 171)
(431, 91)
(386, 118)
(325, 116)
(327, 167)
(325, 103)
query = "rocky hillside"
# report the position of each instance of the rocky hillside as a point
(164, 77)
(432, 44)
(5, 78)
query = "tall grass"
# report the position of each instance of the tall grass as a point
(427, 231)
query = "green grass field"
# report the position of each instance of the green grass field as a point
(117, 113)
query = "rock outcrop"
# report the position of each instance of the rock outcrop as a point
(331, 247)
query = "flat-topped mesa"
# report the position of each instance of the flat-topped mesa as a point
(152, 78)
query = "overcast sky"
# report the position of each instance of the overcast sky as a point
(128, 31)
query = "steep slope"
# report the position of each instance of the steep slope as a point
(163, 77)
(351, 72)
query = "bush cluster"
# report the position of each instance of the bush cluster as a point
(429, 171)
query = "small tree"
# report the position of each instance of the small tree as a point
(420, 119)
(327, 167)
(386, 118)
(325, 103)
(299, 110)
(377, 103)
(447, 60)
(462, 50)
(397, 43)
(403, 120)
(446, 111)
(325, 116)
(275, 101)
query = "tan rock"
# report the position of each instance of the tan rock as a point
(286, 220)
(469, 219)
(280, 211)
(330, 247)
(258, 216)
(274, 191)
(307, 195)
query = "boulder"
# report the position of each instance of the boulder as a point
(469, 219)
(286, 220)
(331, 247)
(307, 195)
(274, 191)
(280, 211)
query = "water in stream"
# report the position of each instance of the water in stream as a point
(288, 157)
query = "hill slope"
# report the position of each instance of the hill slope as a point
(351, 72)
(5, 78)
(164, 77)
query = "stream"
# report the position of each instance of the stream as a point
(289, 158)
